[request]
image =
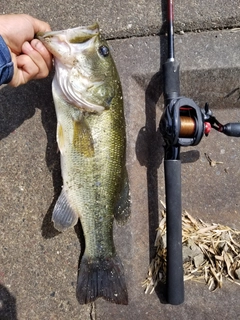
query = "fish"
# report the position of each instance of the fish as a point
(91, 137)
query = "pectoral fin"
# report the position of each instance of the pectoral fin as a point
(63, 215)
(122, 207)
(82, 138)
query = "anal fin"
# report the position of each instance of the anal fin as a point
(63, 215)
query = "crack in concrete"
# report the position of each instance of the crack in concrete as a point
(92, 313)
(162, 31)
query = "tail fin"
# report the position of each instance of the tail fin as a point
(101, 278)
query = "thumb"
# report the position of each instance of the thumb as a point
(38, 25)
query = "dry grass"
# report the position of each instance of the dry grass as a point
(211, 253)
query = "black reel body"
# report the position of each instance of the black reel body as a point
(182, 123)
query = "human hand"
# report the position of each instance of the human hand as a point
(30, 57)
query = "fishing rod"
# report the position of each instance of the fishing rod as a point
(182, 124)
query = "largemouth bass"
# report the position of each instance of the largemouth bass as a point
(91, 139)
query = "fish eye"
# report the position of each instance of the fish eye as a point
(104, 51)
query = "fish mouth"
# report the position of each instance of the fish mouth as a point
(78, 35)
(74, 79)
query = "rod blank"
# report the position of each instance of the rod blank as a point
(170, 31)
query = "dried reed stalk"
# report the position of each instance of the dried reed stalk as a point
(211, 252)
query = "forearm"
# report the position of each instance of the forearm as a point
(6, 64)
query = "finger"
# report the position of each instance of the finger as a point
(27, 27)
(47, 56)
(38, 25)
(24, 70)
(37, 58)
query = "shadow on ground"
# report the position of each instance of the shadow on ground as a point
(8, 309)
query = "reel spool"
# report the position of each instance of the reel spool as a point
(187, 122)
(187, 127)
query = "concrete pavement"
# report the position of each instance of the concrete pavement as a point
(38, 266)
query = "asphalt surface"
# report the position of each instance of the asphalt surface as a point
(38, 266)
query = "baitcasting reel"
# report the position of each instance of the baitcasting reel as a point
(183, 123)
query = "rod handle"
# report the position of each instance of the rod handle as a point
(171, 80)
(175, 285)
